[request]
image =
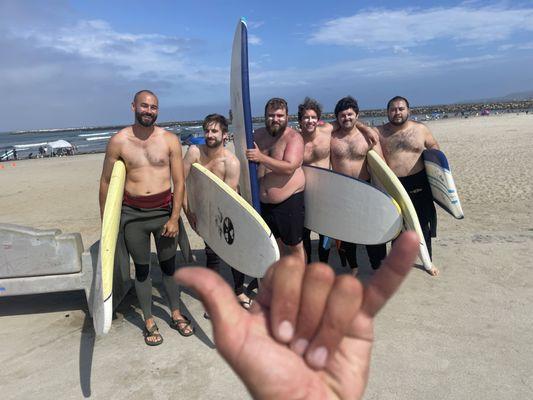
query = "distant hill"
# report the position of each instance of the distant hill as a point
(517, 96)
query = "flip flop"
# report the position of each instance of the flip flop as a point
(181, 325)
(152, 332)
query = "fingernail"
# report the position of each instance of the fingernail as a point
(318, 357)
(285, 331)
(300, 346)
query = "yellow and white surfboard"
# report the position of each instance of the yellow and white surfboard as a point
(103, 310)
(384, 176)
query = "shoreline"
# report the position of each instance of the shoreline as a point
(469, 109)
(428, 122)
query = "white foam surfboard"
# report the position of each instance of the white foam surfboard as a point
(384, 177)
(103, 307)
(349, 209)
(441, 182)
(229, 224)
(242, 115)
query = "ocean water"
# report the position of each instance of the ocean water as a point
(85, 141)
(88, 140)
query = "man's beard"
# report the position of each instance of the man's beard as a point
(139, 117)
(275, 129)
(347, 125)
(213, 144)
(399, 122)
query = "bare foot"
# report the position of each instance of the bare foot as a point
(433, 271)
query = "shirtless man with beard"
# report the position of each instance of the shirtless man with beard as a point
(348, 156)
(279, 152)
(153, 163)
(223, 163)
(403, 142)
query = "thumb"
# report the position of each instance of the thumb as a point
(219, 301)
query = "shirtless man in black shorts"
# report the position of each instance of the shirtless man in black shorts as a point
(279, 152)
(403, 142)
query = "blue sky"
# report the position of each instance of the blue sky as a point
(77, 62)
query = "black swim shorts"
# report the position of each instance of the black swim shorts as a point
(286, 219)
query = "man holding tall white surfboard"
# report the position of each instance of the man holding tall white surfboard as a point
(279, 152)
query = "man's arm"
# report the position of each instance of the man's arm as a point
(112, 154)
(429, 141)
(233, 171)
(370, 134)
(292, 157)
(191, 156)
(178, 177)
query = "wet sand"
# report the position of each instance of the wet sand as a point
(465, 334)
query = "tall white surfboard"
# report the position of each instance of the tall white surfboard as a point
(384, 177)
(441, 182)
(229, 224)
(349, 209)
(242, 115)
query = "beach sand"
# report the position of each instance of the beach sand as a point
(463, 335)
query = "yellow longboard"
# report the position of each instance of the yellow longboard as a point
(384, 176)
(102, 315)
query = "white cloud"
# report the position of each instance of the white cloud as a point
(137, 55)
(254, 40)
(407, 28)
(522, 46)
(401, 66)
(400, 50)
(254, 24)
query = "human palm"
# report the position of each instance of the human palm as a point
(330, 313)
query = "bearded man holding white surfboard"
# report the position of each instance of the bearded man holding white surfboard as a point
(224, 164)
(153, 160)
(349, 145)
(403, 142)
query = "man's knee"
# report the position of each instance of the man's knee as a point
(168, 266)
(142, 271)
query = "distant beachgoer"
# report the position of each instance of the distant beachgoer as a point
(223, 163)
(349, 147)
(403, 142)
(279, 152)
(153, 159)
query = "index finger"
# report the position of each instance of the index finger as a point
(220, 303)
